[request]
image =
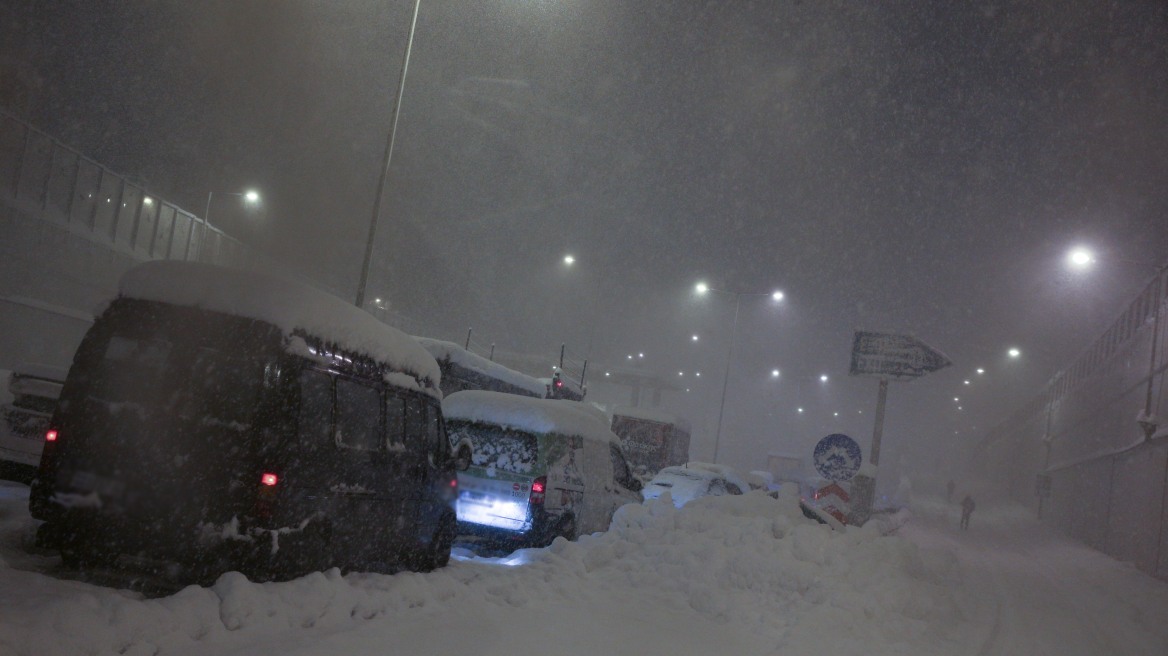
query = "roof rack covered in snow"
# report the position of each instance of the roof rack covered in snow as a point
(292, 307)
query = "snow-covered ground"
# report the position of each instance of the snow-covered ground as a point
(722, 575)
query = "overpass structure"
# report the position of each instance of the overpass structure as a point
(69, 228)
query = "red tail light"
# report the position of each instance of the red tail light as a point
(269, 479)
(51, 436)
(537, 490)
(454, 482)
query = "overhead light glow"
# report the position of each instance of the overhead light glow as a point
(569, 260)
(823, 378)
(774, 373)
(701, 288)
(778, 296)
(251, 196)
(1080, 258)
(1014, 353)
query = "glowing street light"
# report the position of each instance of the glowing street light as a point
(569, 260)
(250, 196)
(774, 373)
(1080, 258)
(823, 378)
(1014, 353)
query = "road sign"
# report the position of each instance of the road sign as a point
(837, 457)
(894, 356)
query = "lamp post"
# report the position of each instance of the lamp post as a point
(251, 196)
(703, 289)
(401, 86)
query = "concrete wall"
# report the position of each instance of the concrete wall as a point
(1109, 478)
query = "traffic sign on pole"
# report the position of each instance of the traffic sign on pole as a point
(894, 356)
(885, 355)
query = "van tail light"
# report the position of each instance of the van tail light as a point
(51, 436)
(537, 490)
(269, 479)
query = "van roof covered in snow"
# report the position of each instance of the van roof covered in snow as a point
(527, 414)
(289, 305)
(442, 350)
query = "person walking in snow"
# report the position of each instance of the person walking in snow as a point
(967, 507)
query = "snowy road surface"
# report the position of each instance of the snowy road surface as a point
(726, 575)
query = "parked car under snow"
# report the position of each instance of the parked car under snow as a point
(687, 482)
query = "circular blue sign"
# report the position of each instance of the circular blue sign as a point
(837, 457)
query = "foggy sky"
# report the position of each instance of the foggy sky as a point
(911, 167)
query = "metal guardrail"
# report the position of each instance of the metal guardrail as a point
(50, 181)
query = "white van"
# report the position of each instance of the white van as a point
(28, 396)
(539, 468)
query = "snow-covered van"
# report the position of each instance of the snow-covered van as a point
(231, 420)
(539, 468)
(28, 395)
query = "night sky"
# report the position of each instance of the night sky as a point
(911, 167)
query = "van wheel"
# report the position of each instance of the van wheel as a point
(567, 528)
(437, 554)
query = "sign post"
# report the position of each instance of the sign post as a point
(884, 355)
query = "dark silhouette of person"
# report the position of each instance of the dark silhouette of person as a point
(949, 491)
(967, 506)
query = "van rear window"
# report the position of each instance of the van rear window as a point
(494, 447)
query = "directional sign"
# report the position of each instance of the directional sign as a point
(837, 457)
(894, 356)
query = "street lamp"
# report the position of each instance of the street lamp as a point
(250, 196)
(388, 157)
(702, 289)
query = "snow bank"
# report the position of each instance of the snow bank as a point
(286, 304)
(741, 575)
(744, 575)
(528, 414)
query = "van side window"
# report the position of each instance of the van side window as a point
(620, 468)
(358, 416)
(395, 412)
(436, 443)
(416, 438)
(316, 409)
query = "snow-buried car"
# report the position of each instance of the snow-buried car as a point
(231, 420)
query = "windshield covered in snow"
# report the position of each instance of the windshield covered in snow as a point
(496, 447)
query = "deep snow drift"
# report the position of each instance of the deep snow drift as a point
(730, 575)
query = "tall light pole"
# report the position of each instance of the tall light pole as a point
(702, 289)
(401, 86)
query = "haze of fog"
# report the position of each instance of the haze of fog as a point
(914, 168)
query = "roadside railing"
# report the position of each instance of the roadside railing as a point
(43, 178)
